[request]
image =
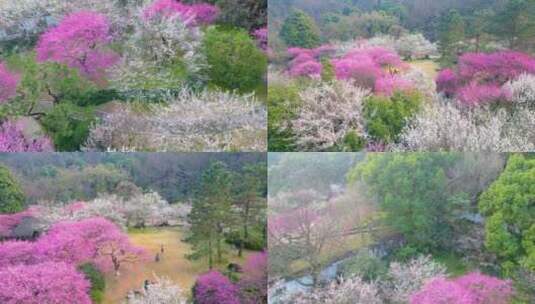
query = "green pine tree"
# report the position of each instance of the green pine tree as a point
(11, 195)
(300, 30)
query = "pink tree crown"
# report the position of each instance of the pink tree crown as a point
(472, 288)
(254, 281)
(43, 283)
(79, 41)
(215, 288)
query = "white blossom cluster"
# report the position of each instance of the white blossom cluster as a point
(328, 112)
(148, 209)
(522, 90)
(347, 291)
(154, 50)
(204, 121)
(444, 126)
(161, 291)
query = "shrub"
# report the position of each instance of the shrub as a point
(386, 117)
(235, 63)
(300, 30)
(364, 265)
(215, 288)
(96, 279)
(11, 195)
(68, 125)
(477, 94)
(328, 113)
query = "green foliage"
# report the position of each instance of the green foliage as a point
(413, 191)
(300, 30)
(352, 142)
(508, 206)
(405, 253)
(234, 60)
(364, 265)
(11, 195)
(96, 278)
(247, 14)
(68, 125)
(387, 116)
(283, 104)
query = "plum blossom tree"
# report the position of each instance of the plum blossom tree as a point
(13, 139)
(472, 288)
(93, 240)
(46, 282)
(192, 14)
(8, 84)
(328, 113)
(215, 288)
(80, 41)
(522, 90)
(162, 290)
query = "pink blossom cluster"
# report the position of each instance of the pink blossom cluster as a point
(47, 282)
(261, 36)
(365, 66)
(12, 139)
(79, 41)
(94, 240)
(473, 288)
(8, 84)
(388, 84)
(194, 14)
(215, 288)
(305, 62)
(479, 78)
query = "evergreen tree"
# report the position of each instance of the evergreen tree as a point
(11, 195)
(211, 214)
(516, 22)
(451, 35)
(250, 190)
(300, 30)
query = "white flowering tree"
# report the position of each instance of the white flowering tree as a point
(329, 111)
(161, 291)
(522, 90)
(204, 121)
(405, 279)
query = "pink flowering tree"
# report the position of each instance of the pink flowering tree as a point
(10, 221)
(8, 84)
(13, 139)
(43, 283)
(191, 14)
(390, 83)
(480, 78)
(306, 62)
(14, 253)
(254, 281)
(95, 240)
(79, 41)
(473, 288)
(215, 288)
